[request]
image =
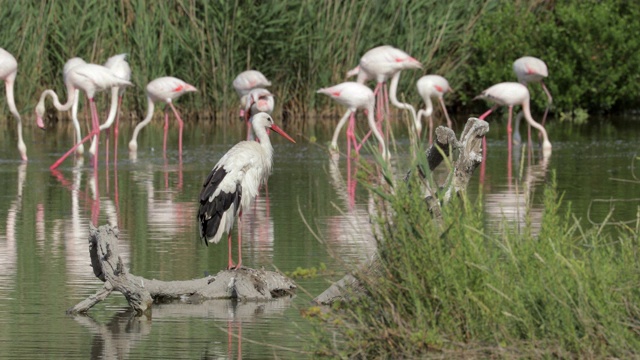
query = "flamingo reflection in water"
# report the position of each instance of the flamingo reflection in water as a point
(75, 228)
(353, 228)
(165, 215)
(8, 244)
(258, 232)
(515, 205)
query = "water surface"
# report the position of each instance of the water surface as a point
(44, 263)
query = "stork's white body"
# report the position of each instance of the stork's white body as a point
(234, 182)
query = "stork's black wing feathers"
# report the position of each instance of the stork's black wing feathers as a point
(211, 212)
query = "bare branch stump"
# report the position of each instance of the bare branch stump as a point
(469, 158)
(244, 284)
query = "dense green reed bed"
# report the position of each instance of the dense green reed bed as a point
(460, 290)
(300, 45)
(304, 45)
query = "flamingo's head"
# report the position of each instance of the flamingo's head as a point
(409, 63)
(39, 114)
(418, 125)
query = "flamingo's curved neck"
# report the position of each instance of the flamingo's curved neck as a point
(526, 109)
(428, 106)
(394, 100)
(147, 119)
(14, 111)
(113, 108)
(376, 133)
(56, 101)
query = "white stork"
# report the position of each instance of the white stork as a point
(233, 184)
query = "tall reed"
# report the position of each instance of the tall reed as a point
(300, 45)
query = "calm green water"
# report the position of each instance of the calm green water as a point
(44, 264)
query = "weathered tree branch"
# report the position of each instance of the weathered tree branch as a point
(245, 283)
(469, 157)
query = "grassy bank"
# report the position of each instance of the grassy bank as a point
(565, 291)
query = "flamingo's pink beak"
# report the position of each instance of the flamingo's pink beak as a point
(39, 121)
(277, 129)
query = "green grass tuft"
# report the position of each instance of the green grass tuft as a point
(461, 290)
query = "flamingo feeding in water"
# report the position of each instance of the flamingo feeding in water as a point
(120, 67)
(380, 64)
(511, 94)
(247, 81)
(70, 64)
(257, 100)
(530, 69)
(233, 184)
(8, 73)
(354, 96)
(433, 86)
(90, 78)
(164, 89)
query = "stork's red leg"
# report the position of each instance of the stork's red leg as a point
(239, 241)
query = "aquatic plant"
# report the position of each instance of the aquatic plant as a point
(458, 289)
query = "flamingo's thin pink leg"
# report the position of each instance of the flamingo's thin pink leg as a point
(116, 130)
(509, 144)
(166, 132)
(180, 127)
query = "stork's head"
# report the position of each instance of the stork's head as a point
(265, 120)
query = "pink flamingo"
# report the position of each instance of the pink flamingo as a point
(70, 64)
(8, 73)
(90, 78)
(530, 69)
(511, 94)
(433, 86)
(381, 63)
(233, 184)
(247, 81)
(119, 67)
(164, 89)
(257, 100)
(354, 96)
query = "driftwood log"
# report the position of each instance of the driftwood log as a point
(243, 284)
(469, 158)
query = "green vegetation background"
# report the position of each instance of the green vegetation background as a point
(590, 46)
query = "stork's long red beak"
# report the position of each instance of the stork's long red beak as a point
(277, 129)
